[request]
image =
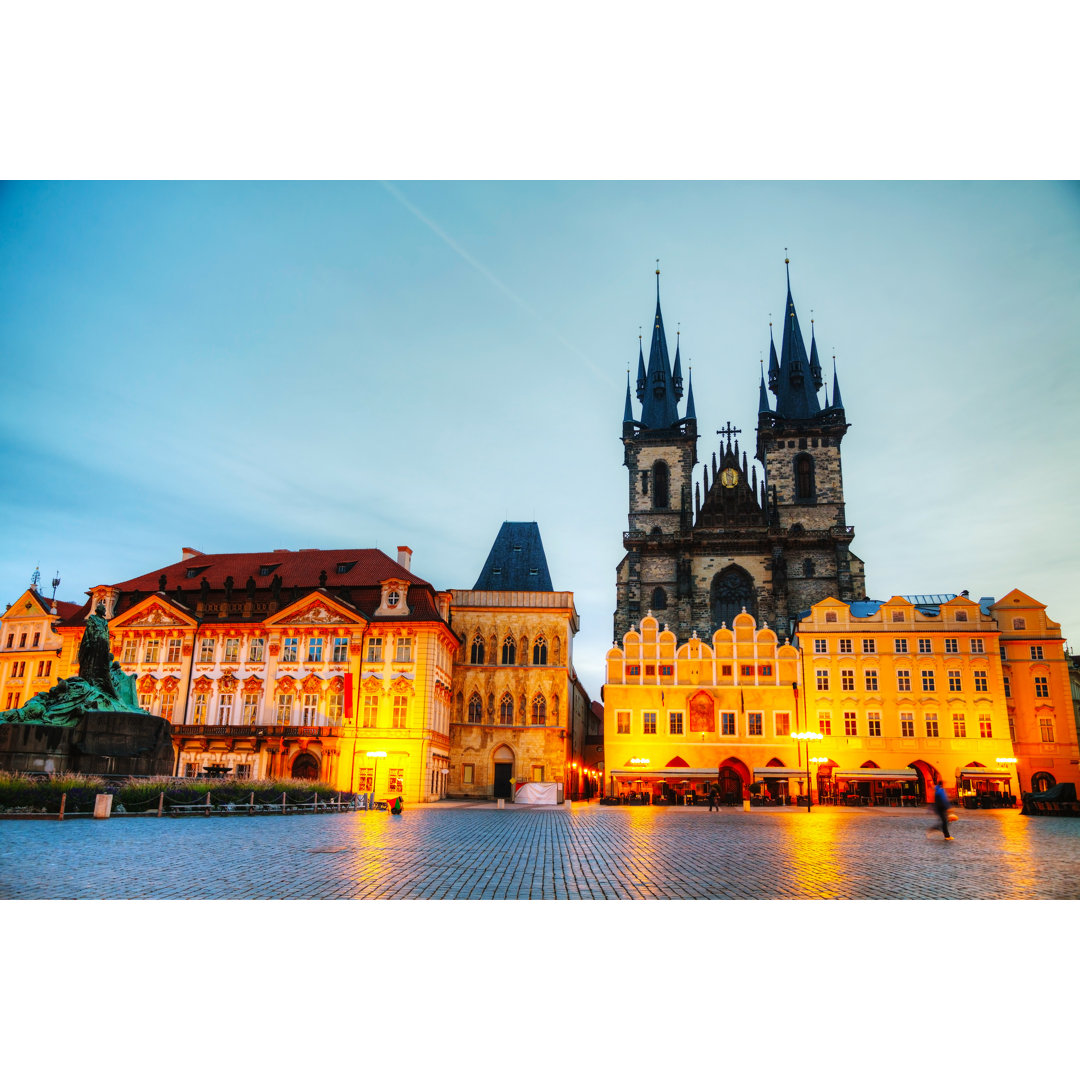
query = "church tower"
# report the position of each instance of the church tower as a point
(660, 451)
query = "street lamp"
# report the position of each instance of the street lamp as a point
(806, 735)
(376, 754)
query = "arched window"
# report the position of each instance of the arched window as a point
(477, 654)
(539, 710)
(476, 710)
(804, 477)
(731, 591)
(1042, 781)
(660, 486)
(506, 710)
(659, 599)
(509, 651)
(540, 651)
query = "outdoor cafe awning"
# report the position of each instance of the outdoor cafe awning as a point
(775, 772)
(999, 774)
(875, 774)
(663, 774)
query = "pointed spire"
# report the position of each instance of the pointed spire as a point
(837, 403)
(795, 395)
(658, 407)
(763, 397)
(628, 411)
(640, 369)
(676, 374)
(815, 367)
(690, 414)
(774, 364)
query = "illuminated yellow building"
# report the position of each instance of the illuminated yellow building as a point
(30, 647)
(287, 663)
(906, 692)
(680, 717)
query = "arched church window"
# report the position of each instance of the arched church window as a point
(804, 477)
(539, 656)
(731, 591)
(509, 651)
(659, 599)
(476, 710)
(539, 710)
(660, 485)
(506, 710)
(476, 656)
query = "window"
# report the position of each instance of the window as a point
(284, 708)
(12, 701)
(539, 653)
(924, 645)
(374, 650)
(667, 670)
(660, 485)
(648, 723)
(1041, 688)
(1008, 689)
(961, 616)
(821, 645)
(727, 723)
(400, 712)
(168, 705)
(871, 680)
(725, 671)
(986, 728)
(951, 645)
(959, 726)
(153, 649)
(659, 599)
(1046, 729)
(403, 654)
(539, 710)
(1036, 652)
(754, 725)
(250, 707)
(395, 783)
(10, 640)
(781, 723)
(172, 650)
(1001, 652)
(955, 684)
(635, 669)
(365, 779)
(622, 723)
(243, 771)
(907, 725)
(847, 679)
(1019, 624)
(392, 598)
(897, 616)
(747, 671)
(476, 652)
(476, 710)
(224, 712)
(845, 644)
(980, 682)
(976, 644)
(289, 650)
(1012, 729)
(206, 650)
(824, 723)
(341, 650)
(371, 710)
(873, 724)
(468, 772)
(830, 616)
(538, 774)
(900, 645)
(822, 678)
(130, 653)
(927, 680)
(191, 768)
(509, 651)
(851, 725)
(869, 645)
(309, 709)
(232, 650)
(506, 709)
(314, 650)
(22, 641)
(931, 725)
(199, 716)
(44, 669)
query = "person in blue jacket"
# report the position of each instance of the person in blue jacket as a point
(941, 806)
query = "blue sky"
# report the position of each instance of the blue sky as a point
(243, 366)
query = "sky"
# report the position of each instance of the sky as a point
(240, 366)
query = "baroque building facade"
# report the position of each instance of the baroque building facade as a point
(701, 549)
(30, 647)
(520, 712)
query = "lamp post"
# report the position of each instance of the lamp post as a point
(806, 735)
(376, 754)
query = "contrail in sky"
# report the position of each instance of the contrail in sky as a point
(479, 267)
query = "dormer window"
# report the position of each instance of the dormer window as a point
(267, 569)
(393, 598)
(192, 572)
(344, 567)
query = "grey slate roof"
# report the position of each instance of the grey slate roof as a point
(516, 562)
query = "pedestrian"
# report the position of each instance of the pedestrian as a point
(712, 799)
(941, 808)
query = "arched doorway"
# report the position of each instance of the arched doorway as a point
(503, 772)
(1042, 781)
(733, 776)
(731, 591)
(926, 776)
(305, 767)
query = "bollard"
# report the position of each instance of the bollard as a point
(102, 806)
(502, 804)
(746, 805)
(63, 803)
(207, 804)
(160, 803)
(251, 804)
(316, 802)
(283, 804)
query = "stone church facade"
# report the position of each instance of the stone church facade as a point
(705, 543)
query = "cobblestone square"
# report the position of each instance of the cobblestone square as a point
(454, 851)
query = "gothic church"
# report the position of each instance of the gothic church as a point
(700, 547)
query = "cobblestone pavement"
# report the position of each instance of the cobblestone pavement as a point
(583, 851)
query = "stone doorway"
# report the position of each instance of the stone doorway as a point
(305, 767)
(503, 760)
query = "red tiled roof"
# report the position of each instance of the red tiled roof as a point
(65, 609)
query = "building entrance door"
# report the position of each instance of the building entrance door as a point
(504, 772)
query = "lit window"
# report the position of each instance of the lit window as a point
(365, 779)
(1036, 652)
(851, 725)
(873, 724)
(782, 723)
(754, 724)
(986, 728)
(403, 653)
(401, 711)
(871, 680)
(468, 772)
(822, 679)
(622, 723)
(907, 725)
(168, 705)
(371, 710)
(927, 681)
(869, 645)
(309, 710)
(1012, 729)
(395, 783)
(845, 644)
(727, 723)
(153, 648)
(675, 723)
(250, 707)
(825, 723)
(847, 679)
(648, 723)
(821, 645)
(1046, 729)
(976, 645)
(224, 713)
(931, 726)
(1041, 687)
(172, 654)
(131, 649)
(284, 708)
(232, 650)
(314, 650)
(341, 650)
(145, 701)
(374, 650)
(924, 645)
(980, 682)
(206, 650)
(954, 681)
(200, 709)
(538, 774)
(959, 726)
(539, 710)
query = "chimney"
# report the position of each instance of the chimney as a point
(189, 553)
(404, 555)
